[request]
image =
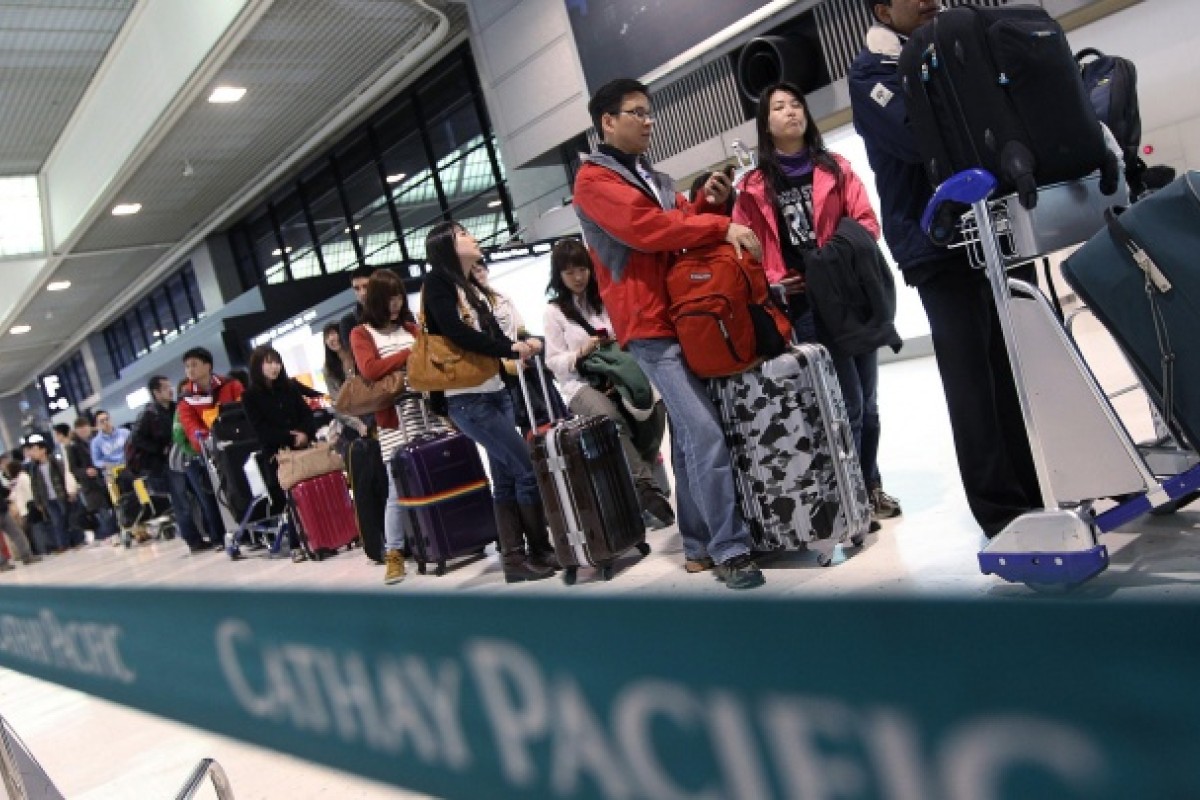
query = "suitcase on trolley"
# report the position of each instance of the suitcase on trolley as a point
(324, 514)
(587, 490)
(445, 494)
(1141, 278)
(796, 470)
(999, 88)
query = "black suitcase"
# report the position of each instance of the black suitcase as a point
(587, 490)
(998, 88)
(368, 485)
(233, 490)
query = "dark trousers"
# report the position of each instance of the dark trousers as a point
(990, 440)
(64, 532)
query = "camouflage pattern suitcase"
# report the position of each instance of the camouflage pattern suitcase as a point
(796, 470)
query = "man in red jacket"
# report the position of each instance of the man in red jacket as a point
(199, 403)
(204, 394)
(633, 221)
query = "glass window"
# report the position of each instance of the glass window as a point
(329, 219)
(243, 257)
(365, 194)
(193, 292)
(297, 237)
(265, 242)
(449, 108)
(147, 321)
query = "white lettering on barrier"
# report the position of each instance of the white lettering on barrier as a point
(319, 690)
(87, 648)
(815, 748)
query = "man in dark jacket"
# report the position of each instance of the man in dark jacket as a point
(93, 492)
(358, 282)
(990, 440)
(53, 494)
(152, 433)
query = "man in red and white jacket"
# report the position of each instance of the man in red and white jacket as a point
(205, 392)
(633, 221)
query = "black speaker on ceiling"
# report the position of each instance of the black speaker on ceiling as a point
(766, 60)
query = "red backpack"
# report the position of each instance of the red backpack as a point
(722, 311)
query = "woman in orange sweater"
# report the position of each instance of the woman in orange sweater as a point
(381, 346)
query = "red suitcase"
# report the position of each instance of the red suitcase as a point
(324, 514)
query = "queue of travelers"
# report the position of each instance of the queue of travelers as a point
(606, 320)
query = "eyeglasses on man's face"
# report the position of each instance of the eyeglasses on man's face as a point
(642, 114)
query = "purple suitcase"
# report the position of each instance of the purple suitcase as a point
(445, 492)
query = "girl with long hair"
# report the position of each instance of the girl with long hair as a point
(335, 360)
(458, 307)
(576, 326)
(381, 346)
(793, 201)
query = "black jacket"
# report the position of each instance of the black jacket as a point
(852, 292)
(152, 436)
(275, 412)
(442, 316)
(93, 490)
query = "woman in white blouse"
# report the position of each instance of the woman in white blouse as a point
(576, 326)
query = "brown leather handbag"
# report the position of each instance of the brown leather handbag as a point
(300, 465)
(437, 364)
(360, 396)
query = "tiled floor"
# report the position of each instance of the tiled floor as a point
(96, 750)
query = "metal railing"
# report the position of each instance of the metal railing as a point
(207, 768)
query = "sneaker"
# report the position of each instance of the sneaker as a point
(394, 560)
(740, 572)
(698, 565)
(657, 506)
(883, 505)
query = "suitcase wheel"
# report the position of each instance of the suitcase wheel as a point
(606, 572)
(824, 560)
(857, 540)
(569, 575)
(318, 554)
(441, 569)
(421, 567)
(643, 548)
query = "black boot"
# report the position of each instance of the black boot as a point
(511, 530)
(537, 533)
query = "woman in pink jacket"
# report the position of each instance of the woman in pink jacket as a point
(793, 201)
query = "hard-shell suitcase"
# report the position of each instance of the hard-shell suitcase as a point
(587, 490)
(1141, 278)
(446, 496)
(368, 482)
(999, 88)
(324, 514)
(796, 470)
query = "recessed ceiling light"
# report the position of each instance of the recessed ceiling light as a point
(495, 204)
(58, 286)
(125, 209)
(17, 330)
(356, 227)
(227, 94)
(399, 176)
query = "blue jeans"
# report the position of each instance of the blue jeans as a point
(181, 506)
(710, 521)
(65, 534)
(488, 420)
(202, 489)
(859, 379)
(395, 520)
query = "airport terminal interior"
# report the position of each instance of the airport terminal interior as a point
(177, 175)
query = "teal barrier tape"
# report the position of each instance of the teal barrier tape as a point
(511, 697)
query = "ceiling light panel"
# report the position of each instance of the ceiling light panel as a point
(227, 94)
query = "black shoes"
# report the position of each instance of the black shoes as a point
(740, 572)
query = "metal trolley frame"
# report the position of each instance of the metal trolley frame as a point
(1081, 449)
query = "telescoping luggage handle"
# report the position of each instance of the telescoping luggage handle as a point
(550, 415)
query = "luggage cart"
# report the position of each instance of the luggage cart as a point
(1081, 450)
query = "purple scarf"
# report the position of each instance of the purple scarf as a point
(796, 165)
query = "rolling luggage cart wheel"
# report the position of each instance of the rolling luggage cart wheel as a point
(643, 548)
(857, 539)
(824, 559)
